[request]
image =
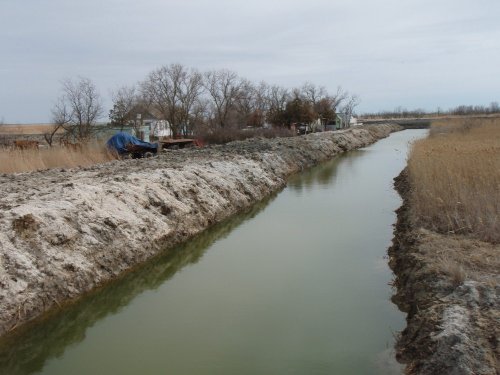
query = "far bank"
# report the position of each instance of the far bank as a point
(446, 253)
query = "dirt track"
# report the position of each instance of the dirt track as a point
(65, 232)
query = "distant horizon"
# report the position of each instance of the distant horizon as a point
(445, 112)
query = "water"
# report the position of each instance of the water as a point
(297, 285)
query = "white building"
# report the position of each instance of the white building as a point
(159, 128)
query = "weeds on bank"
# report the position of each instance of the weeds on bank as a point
(453, 269)
(455, 178)
(220, 136)
(15, 160)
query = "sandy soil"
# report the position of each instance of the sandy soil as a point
(450, 288)
(65, 232)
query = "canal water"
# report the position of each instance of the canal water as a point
(297, 285)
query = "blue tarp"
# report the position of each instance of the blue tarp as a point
(120, 140)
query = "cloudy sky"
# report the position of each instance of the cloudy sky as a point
(410, 53)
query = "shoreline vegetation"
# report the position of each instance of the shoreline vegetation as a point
(446, 252)
(455, 179)
(30, 160)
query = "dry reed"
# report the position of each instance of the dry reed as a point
(221, 136)
(14, 160)
(455, 178)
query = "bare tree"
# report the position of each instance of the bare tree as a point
(260, 104)
(190, 104)
(125, 106)
(173, 91)
(61, 119)
(326, 105)
(338, 98)
(199, 116)
(220, 98)
(323, 105)
(347, 109)
(246, 104)
(277, 98)
(313, 93)
(223, 88)
(78, 109)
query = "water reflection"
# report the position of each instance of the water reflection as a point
(27, 351)
(324, 174)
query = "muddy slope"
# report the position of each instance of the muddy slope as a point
(63, 233)
(450, 288)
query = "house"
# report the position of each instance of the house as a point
(337, 124)
(159, 128)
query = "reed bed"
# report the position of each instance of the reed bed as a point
(27, 160)
(455, 178)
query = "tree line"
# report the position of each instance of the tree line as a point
(461, 110)
(193, 101)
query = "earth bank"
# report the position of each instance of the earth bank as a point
(449, 286)
(66, 232)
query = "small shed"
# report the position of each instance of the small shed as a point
(336, 124)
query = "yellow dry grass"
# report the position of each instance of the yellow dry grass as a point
(26, 129)
(13, 161)
(455, 178)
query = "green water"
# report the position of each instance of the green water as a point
(297, 285)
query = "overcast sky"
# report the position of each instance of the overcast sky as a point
(413, 53)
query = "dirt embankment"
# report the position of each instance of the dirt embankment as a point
(65, 232)
(450, 288)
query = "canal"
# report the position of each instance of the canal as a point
(299, 284)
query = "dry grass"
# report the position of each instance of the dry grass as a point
(221, 136)
(453, 269)
(455, 178)
(13, 161)
(26, 129)
(460, 258)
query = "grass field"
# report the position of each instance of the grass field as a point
(27, 129)
(13, 160)
(455, 178)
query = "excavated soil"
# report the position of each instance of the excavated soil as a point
(449, 286)
(66, 232)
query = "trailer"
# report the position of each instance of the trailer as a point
(174, 144)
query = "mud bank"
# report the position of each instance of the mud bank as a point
(66, 232)
(449, 286)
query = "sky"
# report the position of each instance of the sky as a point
(410, 53)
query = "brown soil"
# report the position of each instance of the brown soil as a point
(66, 232)
(449, 286)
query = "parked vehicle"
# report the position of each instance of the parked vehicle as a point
(302, 129)
(128, 146)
